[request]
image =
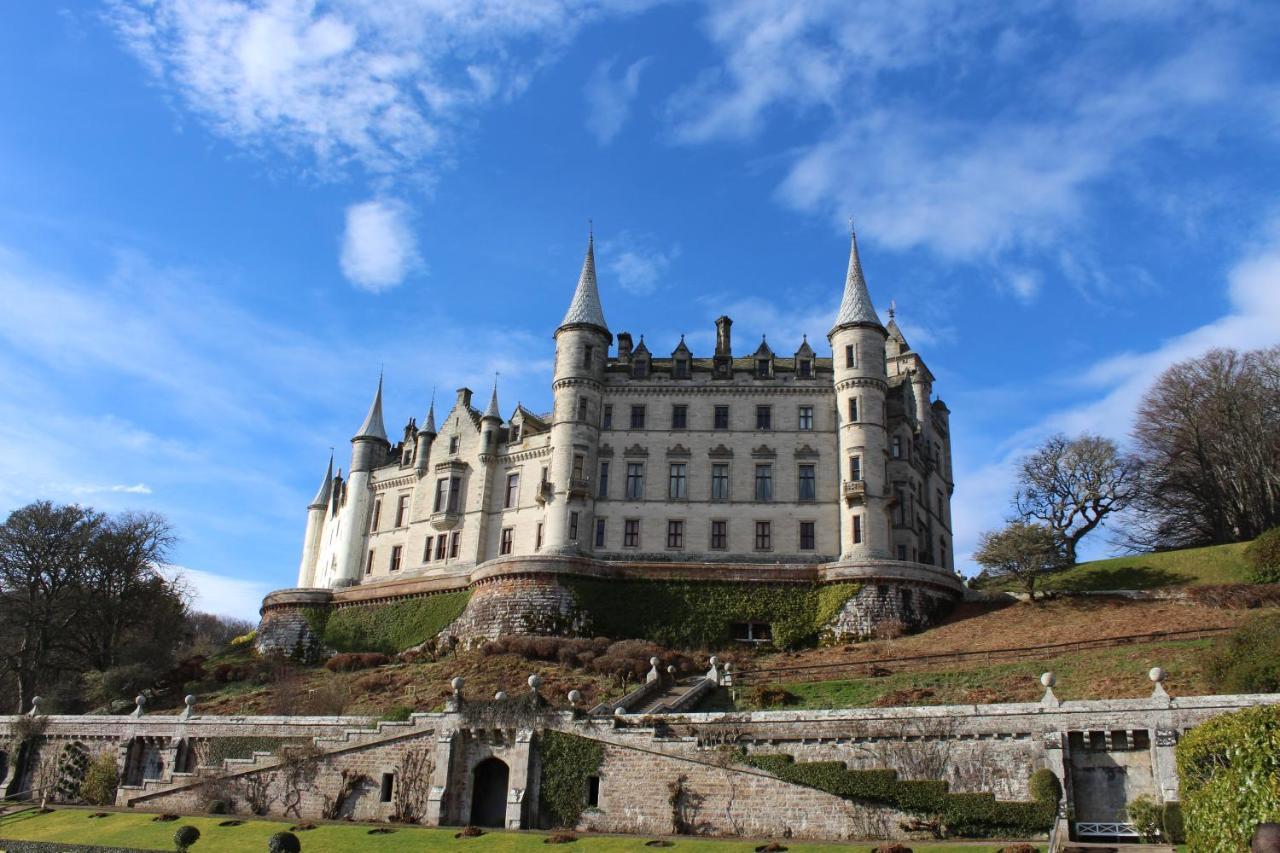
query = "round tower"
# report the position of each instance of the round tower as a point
(315, 528)
(858, 359)
(582, 347)
(369, 447)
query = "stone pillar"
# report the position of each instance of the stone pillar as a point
(437, 796)
(519, 782)
(1056, 745)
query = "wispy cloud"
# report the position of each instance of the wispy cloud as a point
(117, 489)
(378, 246)
(609, 98)
(636, 261)
(220, 594)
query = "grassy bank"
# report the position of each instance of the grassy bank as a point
(1215, 564)
(75, 826)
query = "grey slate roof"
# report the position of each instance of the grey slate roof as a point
(585, 307)
(373, 426)
(429, 425)
(492, 411)
(322, 496)
(855, 307)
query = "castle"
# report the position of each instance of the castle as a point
(757, 467)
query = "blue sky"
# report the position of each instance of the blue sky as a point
(220, 218)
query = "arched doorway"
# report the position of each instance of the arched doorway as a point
(489, 793)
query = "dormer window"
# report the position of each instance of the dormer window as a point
(804, 367)
(453, 444)
(680, 369)
(762, 368)
(515, 433)
(640, 368)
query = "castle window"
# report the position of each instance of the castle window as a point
(599, 532)
(857, 530)
(513, 489)
(942, 551)
(853, 410)
(606, 421)
(896, 450)
(939, 503)
(537, 537)
(442, 494)
(722, 417)
(426, 550)
(808, 483)
(455, 539)
(850, 356)
(679, 417)
(504, 547)
(764, 417)
(635, 481)
(855, 468)
(377, 515)
(762, 368)
(397, 551)
(640, 368)
(680, 370)
(579, 463)
(515, 433)
(603, 490)
(453, 444)
(764, 536)
(806, 418)
(455, 493)
(441, 545)
(588, 356)
(388, 780)
(719, 535)
(902, 553)
(631, 533)
(804, 367)
(573, 527)
(637, 417)
(368, 564)
(593, 791)
(807, 537)
(764, 482)
(720, 481)
(583, 406)
(675, 534)
(402, 511)
(676, 487)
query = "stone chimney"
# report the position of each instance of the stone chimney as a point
(723, 344)
(624, 347)
(464, 398)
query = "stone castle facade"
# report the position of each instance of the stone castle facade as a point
(729, 465)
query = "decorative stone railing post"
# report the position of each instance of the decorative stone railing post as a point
(727, 680)
(190, 706)
(141, 703)
(35, 706)
(713, 674)
(1049, 700)
(653, 675)
(535, 681)
(1157, 676)
(454, 702)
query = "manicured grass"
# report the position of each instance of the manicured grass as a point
(1214, 564)
(75, 826)
(1117, 672)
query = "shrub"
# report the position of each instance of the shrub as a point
(560, 838)
(352, 661)
(100, 780)
(471, 832)
(392, 628)
(1147, 817)
(1229, 773)
(125, 682)
(1045, 787)
(892, 847)
(218, 807)
(771, 696)
(1018, 848)
(1174, 831)
(1263, 557)
(1248, 659)
(185, 837)
(284, 842)
(398, 714)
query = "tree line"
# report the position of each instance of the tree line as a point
(1202, 468)
(86, 615)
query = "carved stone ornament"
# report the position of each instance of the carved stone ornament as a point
(1166, 737)
(720, 452)
(606, 451)
(764, 451)
(635, 450)
(679, 450)
(806, 452)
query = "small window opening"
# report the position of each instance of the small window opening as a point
(593, 791)
(388, 780)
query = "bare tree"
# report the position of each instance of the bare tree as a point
(1073, 484)
(1022, 551)
(1208, 433)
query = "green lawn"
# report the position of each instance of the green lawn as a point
(1190, 567)
(75, 826)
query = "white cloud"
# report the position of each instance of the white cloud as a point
(635, 262)
(220, 594)
(119, 489)
(609, 99)
(378, 246)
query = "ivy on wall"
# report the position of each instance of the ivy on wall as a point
(967, 815)
(222, 748)
(388, 628)
(700, 614)
(567, 762)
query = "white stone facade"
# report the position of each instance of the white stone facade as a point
(756, 457)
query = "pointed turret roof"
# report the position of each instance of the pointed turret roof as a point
(492, 411)
(681, 347)
(855, 308)
(641, 348)
(373, 426)
(805, 349)
(585, 308)
(321, 499)
(764, 348)
(429, 425)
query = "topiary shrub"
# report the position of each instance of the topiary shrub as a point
(1044, 786)
(284, 842)
(353, 661)
(1018, 848)
(1263, 557)
(184, 837)
(1229, 774)
(1147, 817)
(1248, 659)
(218, 807)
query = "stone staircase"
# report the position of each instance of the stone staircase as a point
(680, 696)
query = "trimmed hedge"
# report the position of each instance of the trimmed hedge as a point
(567, 761)
(681, 614)
(1263, 557)
(1229, 770)
(968, 815)
(390, 628)
(1248, 659)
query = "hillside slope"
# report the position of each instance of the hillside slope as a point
(1215, 564)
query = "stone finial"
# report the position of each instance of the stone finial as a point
(1049, 700)
(713, 674)
(1157, 676)
(140, 701)
(619, 711)
(190, 702)
(500, 696)
(535, 681)
(35, 706)
(456, 683)
(653, 675)
(575, 698)
(671, 670)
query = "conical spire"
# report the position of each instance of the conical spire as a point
(492, 411)
(372, 426)
(585, 308)
(855, 308)
(429, 425)
(321, 500)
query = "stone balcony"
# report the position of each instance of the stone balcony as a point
(579, 487)
(855, 491)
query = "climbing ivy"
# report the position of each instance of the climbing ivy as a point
(391, 628)
(686, 614)
(222, 748)
(317, 619)
(966, 815)
(567, 762)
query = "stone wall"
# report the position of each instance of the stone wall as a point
(520, 604)
(889, 602)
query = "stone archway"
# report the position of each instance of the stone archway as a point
(489, 781)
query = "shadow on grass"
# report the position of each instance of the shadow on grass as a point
(1133, 576)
